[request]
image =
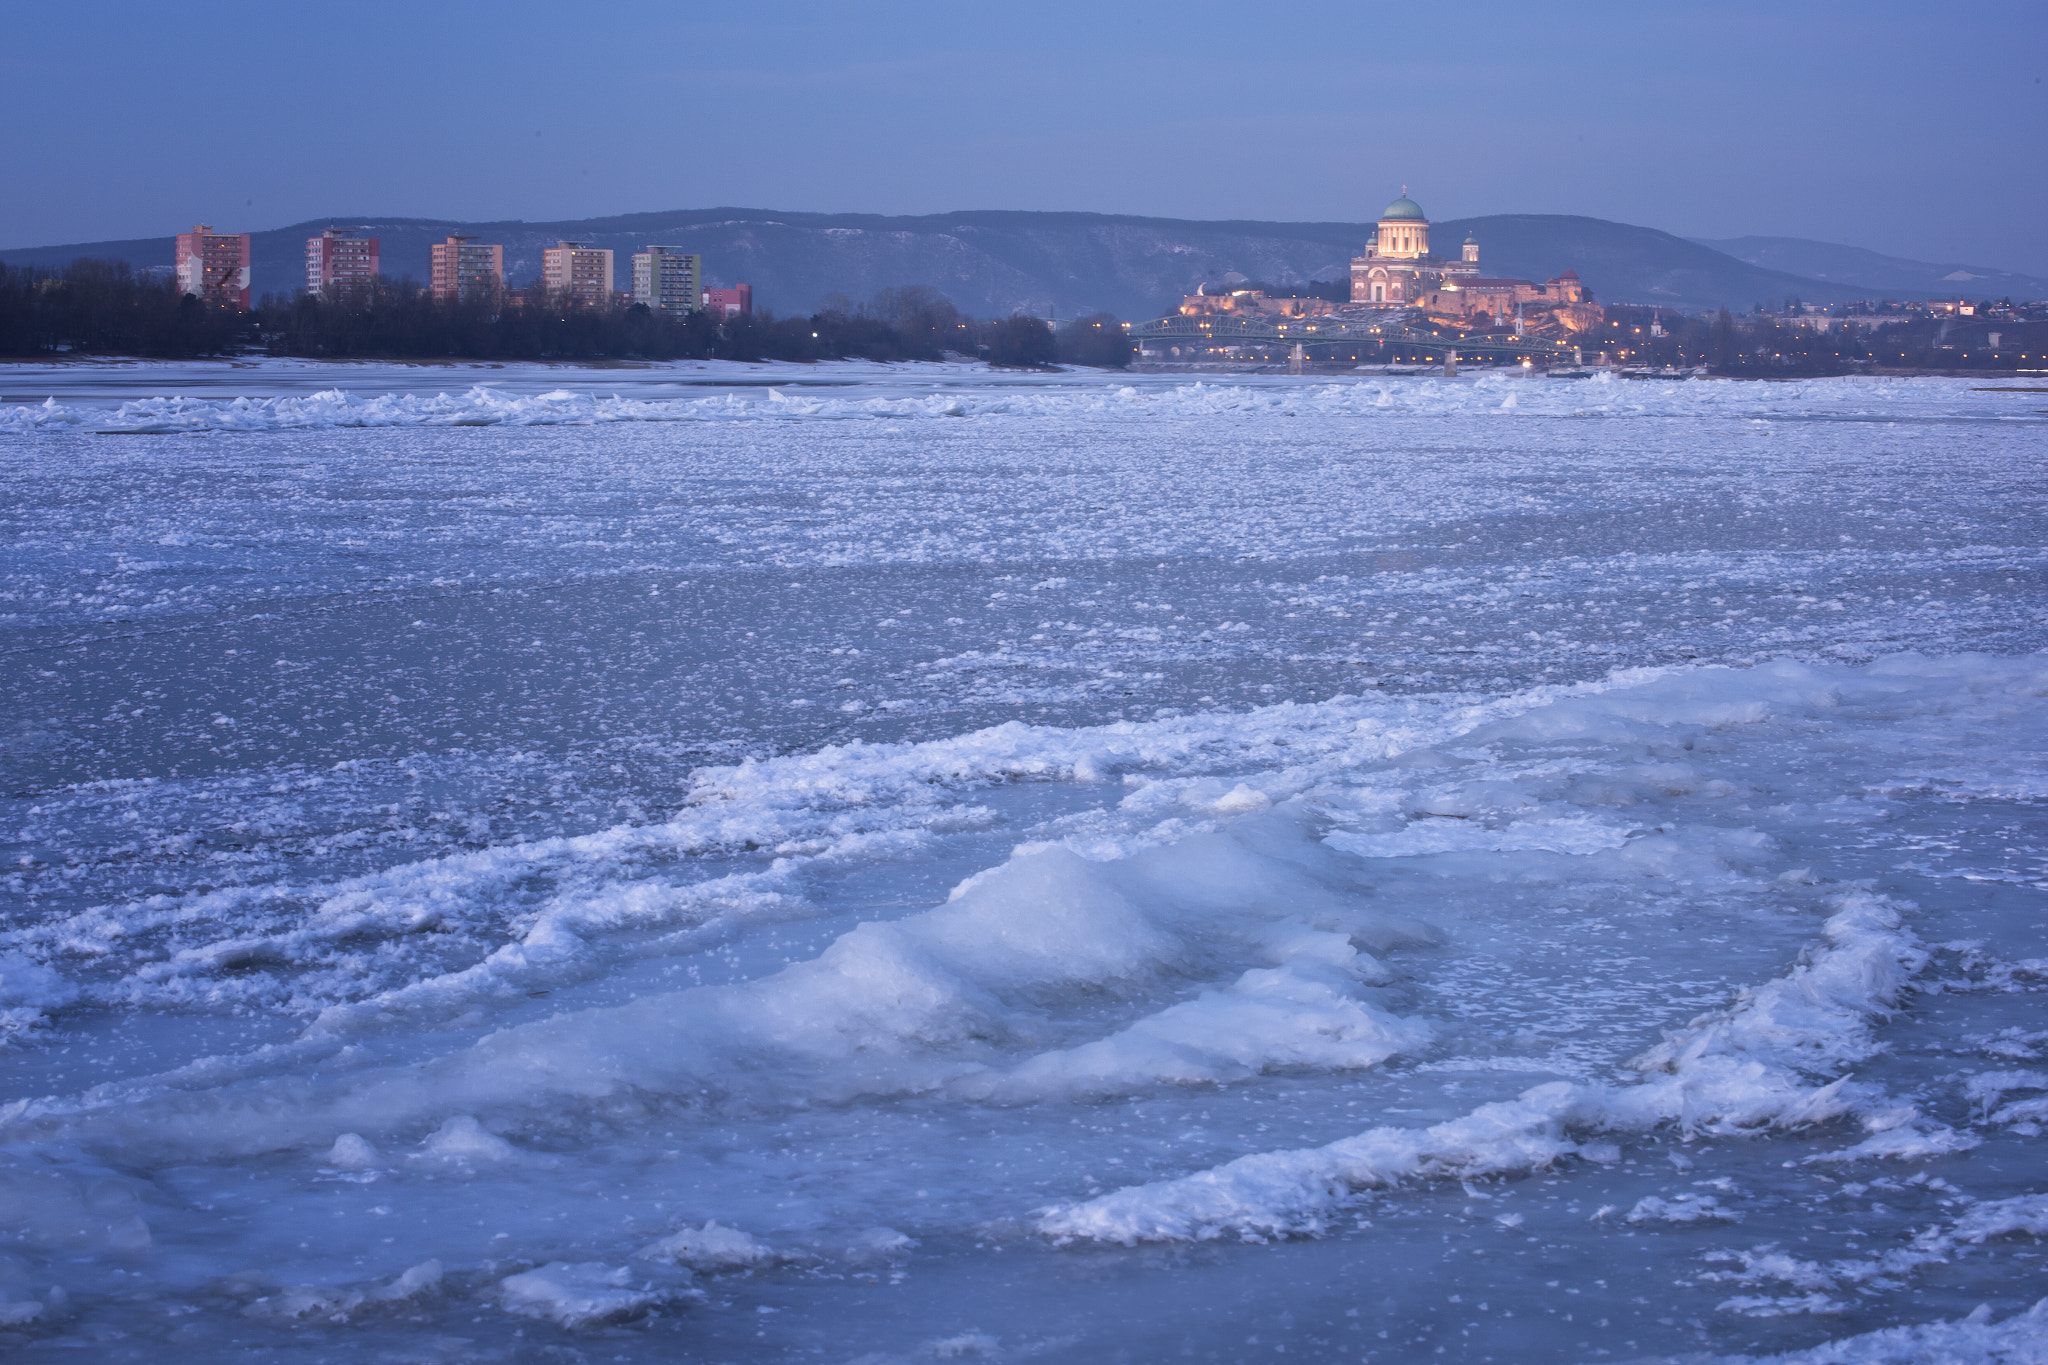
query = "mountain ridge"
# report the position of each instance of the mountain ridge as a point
(1896, 276)
(993, 262)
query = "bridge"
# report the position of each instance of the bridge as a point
(1396, 329)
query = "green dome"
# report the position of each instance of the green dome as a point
(1404, 207)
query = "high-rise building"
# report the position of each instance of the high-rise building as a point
(669, 280)
(583, 271)
(465, 268)
(214, 265)
(735, 302)
(336, 257)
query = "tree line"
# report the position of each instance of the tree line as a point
(1760, 345)
(107, 308)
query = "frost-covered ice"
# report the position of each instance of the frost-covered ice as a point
(1975, 1339)
(905, 863)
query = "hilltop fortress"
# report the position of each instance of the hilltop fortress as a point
(1398, 271)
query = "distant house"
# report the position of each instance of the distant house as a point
(736, 302)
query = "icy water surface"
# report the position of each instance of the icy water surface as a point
(902, 863)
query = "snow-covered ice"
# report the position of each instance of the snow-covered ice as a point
(904, 863)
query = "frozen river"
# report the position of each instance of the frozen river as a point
(865, 863)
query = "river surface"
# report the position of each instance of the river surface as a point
(901, 863)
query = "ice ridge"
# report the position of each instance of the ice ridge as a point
(1739, 1070)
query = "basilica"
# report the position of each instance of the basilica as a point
(1398, 271)
(1397, 268)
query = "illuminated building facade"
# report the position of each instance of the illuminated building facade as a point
(584, 272)
(339, 258)
(214, 266)
(464, 268)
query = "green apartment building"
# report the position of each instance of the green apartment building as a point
(669, 280)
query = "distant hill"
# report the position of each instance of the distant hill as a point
(1625, 264)
(992, 263)
(1872, 273)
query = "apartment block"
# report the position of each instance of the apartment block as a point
(582, 270)
(465, 268)
(214, 265)
(669, 280)
(336, 257)
(735, 302)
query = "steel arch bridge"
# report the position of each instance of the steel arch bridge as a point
(1335, 330)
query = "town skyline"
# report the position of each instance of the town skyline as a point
(1406, 298)
(1674, 118)
(994, 263)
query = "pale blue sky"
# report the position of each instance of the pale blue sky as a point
(1912, 128)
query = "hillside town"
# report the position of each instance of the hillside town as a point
(1409, 298)
(1408, 304)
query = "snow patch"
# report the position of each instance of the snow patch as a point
(585, 1293)
(710, 1249)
